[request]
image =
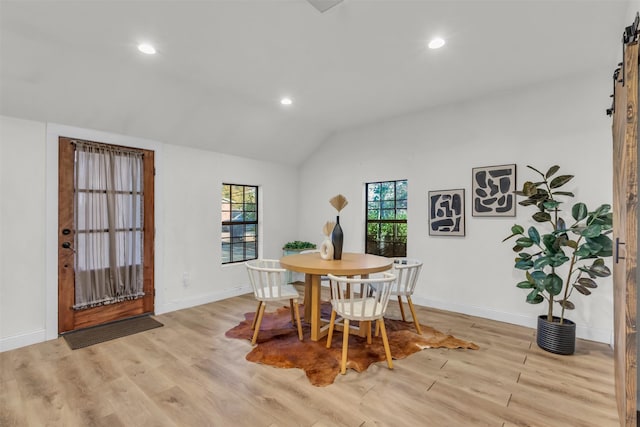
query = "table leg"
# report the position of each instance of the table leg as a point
(307, 298)
(315, 307)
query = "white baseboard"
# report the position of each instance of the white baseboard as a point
(592, 334)
(201, 299)
(22, 340)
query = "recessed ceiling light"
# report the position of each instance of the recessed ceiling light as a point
(286, 101)
(146, 48)
(436, 43)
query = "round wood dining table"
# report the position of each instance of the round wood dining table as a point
(314, 267)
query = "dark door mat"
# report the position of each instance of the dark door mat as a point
(101, 333)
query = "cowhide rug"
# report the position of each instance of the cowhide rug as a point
(278, 345)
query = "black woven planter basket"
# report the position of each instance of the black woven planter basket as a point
(555, 337)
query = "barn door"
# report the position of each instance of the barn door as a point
(625, 225)
(105, 233)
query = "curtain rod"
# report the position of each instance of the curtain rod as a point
(108, 147)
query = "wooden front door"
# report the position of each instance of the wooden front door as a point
(70, 319)
(625, 232)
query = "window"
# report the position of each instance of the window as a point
(239, 223)
(386, 219)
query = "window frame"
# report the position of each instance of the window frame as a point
(398, 248)
(231, 223)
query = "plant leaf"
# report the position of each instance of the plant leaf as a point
(525, 242)
(592, 230)
(534, 298)
(549, 241)
(553, 284)
(583, 290)
(588, 271)
(551, 204)
(559, 181)
(558, 259)
(571, 243)
(529, 189)
(561, 225)
(534, 235)
(599, 269)
(517, 229)
(523, 264)
(587, 283)
(541, 262)
(583, 251)
(541, 217)
(592, 246)
(552, 170)
(527, 202)
(508, 237)
(532, 168)
(606, 245)
(525, 285)
(563, 193)
(567, 304)
(602, 210)
(541, 195)
(579, 211)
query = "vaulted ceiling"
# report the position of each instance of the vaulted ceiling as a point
(222, 66)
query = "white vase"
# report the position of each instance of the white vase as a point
(326, 249)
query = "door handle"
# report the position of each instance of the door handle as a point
(617, 256)
(67, 245)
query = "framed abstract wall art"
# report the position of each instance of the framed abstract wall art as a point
(492, 191)
(446, 213)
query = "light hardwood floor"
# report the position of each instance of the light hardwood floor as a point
(188, 373)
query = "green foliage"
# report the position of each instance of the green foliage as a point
(583, 245)
(297, 244)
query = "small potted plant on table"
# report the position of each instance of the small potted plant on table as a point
(297, 246)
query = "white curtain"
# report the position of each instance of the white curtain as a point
(108, 194)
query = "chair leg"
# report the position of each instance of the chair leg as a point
(259, 321)
(345, 346)
(401, 308)
(385, 341)
(253, 324)
(367, 325)
(297, 312)
(291, 310)
(413, 313)
(378, 328)
(331, 325)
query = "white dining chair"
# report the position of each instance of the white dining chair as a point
(367, 304)
(268, 282)
(407, 271)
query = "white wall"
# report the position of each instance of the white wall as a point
(192, 221)
(188, 185)
(559, 122)
(22, 230)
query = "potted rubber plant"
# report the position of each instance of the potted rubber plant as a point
(562, 256)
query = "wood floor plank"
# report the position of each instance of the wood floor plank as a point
(12, 410)
(189, 373)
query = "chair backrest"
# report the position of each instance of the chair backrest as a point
(407, 271)
(361, 299)
(267, 278)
